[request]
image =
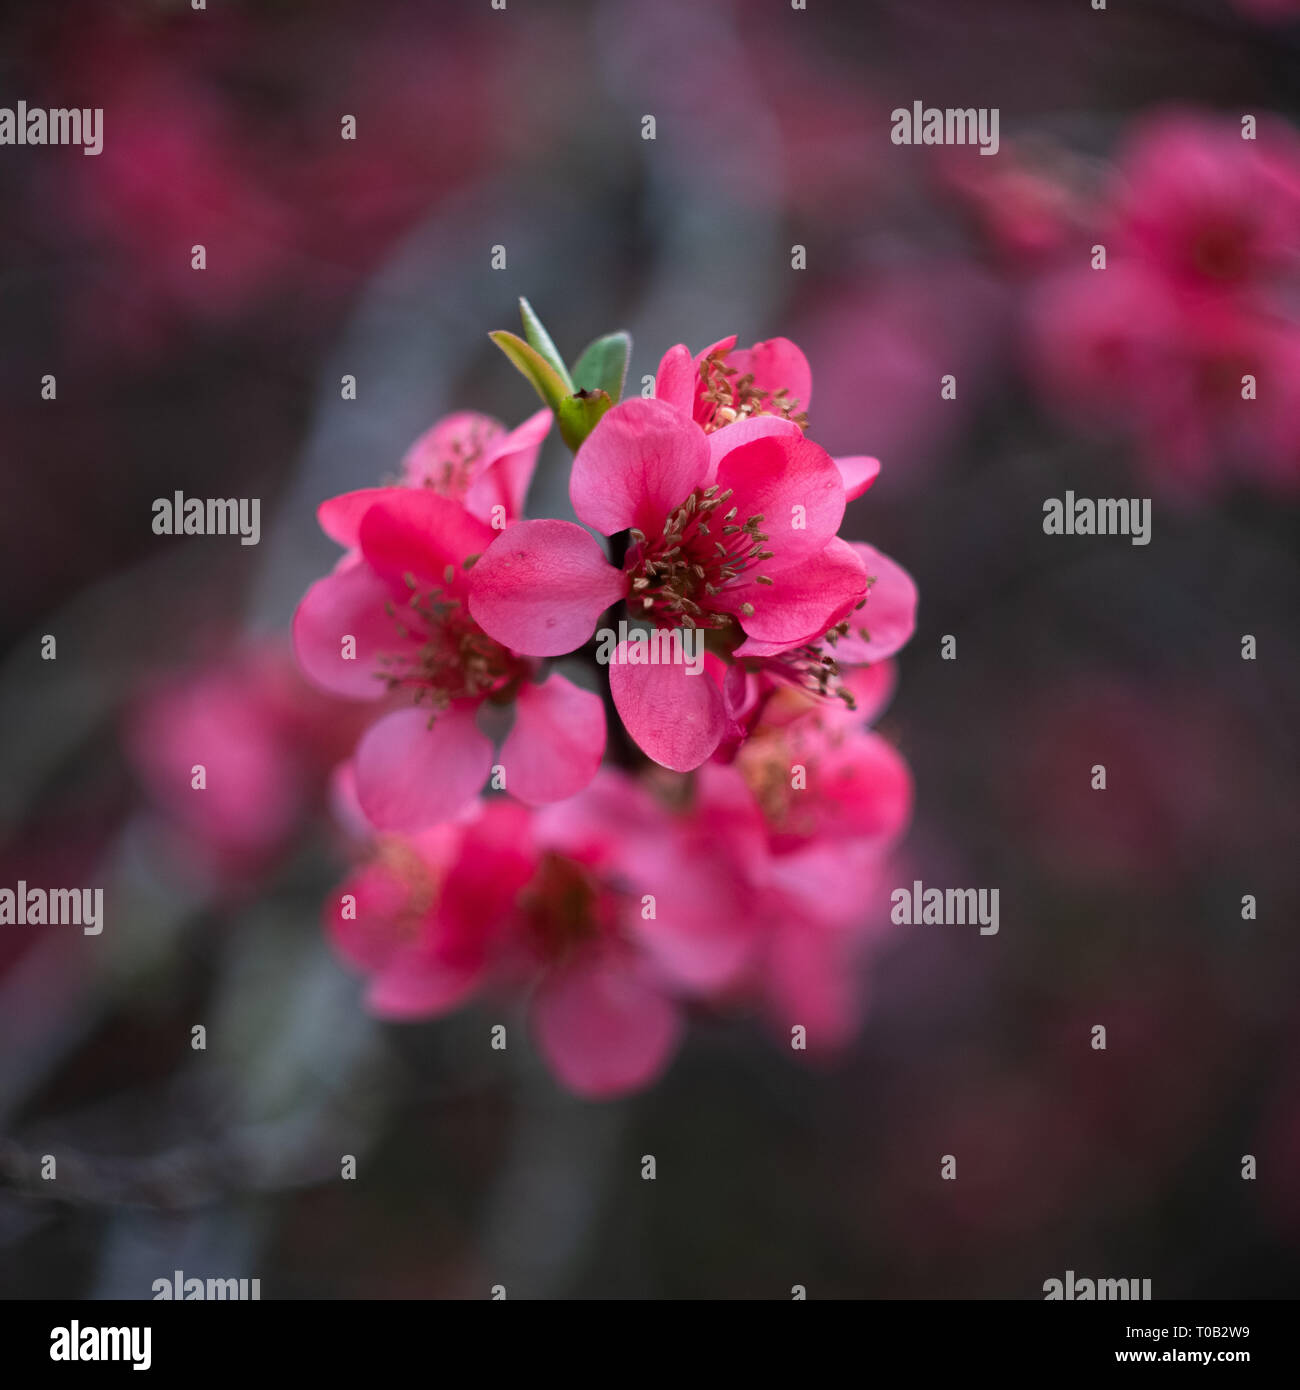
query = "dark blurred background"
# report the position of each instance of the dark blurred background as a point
(327, 257)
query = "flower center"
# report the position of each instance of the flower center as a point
(420, 882)
(675, 575)
(446, 655)
(725, 396)
(1220, 253)
(769, 765)
(450, 474)
(560, 907)
(812, 669)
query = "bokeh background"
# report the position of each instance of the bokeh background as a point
(523, 127)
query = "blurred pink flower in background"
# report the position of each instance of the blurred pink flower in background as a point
(1207, 207)
(1028, 204)
(526, 903)
(286, 209)
(1185, 339)
(423, 915)
(265, 741)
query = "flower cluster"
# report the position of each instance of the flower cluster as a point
(729, 853)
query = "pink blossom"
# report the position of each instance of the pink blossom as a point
(725, 383)
(1127, 346)
(475, 460)
(661, 839)
(877, 629)
(604, 1017)
(1026, 202)
(835, 798)
(1183, 339)
(467, 457)
(264, 739)
(392, 619)
(693, 504)
(1206, 207)
(424, 917)
(505, 899)
(803, 823)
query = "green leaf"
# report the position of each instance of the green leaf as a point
(540, 340)
(546, 381)
(579, 414)
(603, 365)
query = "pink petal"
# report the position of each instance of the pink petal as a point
(834, 883)
(743, 431)
(367, 940)
(641, 462)
(603, 1030)
(872, 688)
(693, 944)
(557, 741)
(415, 531)
(340, 517)
(675, 382)
(344, 806)
(776, 364)
(858, 473)
(541, 586)
(867, 788)
(348, 603)
(888, 620)
(812, 982)
(410, 776)
(676, 718)
(417, 984)
(433, 460)
(496, 860)
(604, 825)
(508, 470)
(771, 477)
(800, 604)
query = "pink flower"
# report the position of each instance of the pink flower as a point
(265, 741)
(768, 880)
(1026, 203)
(1208, 208)
(503, 898)
(731, 532)
(603, 1015)
(878, 628)
(835, 798)
(471, 459)
(424, 917)
(1183, 338)
(724, 383)
(392, 618)
(692, 860)
(1169, 366)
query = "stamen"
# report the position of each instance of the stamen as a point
(722, 400)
